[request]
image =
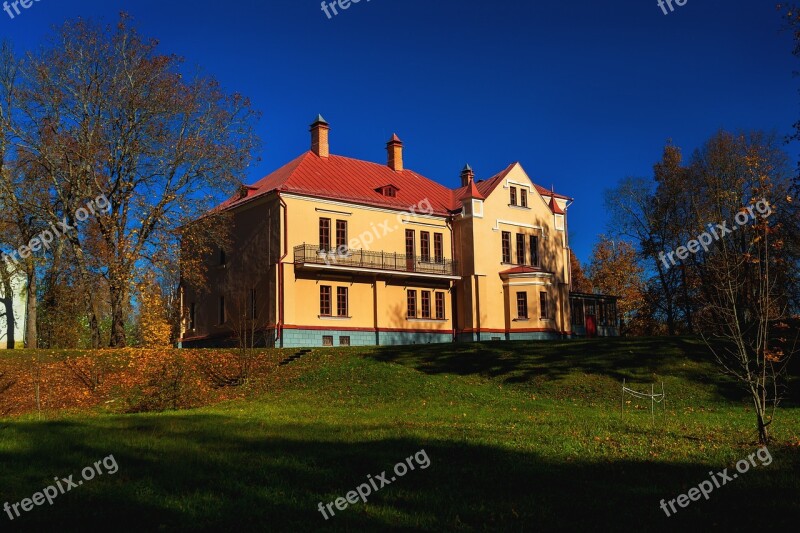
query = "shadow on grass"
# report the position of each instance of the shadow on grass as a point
(633, 359)
(199, 472)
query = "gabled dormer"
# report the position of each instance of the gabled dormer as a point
(389, 190)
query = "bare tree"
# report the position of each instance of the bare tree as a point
(743, 276)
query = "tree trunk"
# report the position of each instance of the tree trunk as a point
(763, 431)
(31, 337)
(687, 304)
(118, 300)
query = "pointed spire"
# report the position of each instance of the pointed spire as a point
(467, 175)
(319, 137)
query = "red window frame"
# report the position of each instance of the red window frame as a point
(411, 300)
(425, 246)
(522, 305)
(342, 303)
(325, 300)
(341, 234)
(426, 304)
(439, 305)
(438, 247)
(521, 248)
(325, 234)
(506, 247)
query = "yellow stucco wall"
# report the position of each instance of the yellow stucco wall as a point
(485, 301)
(372, 229)
(495, 305)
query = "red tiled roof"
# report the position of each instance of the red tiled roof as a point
(352, 180)
(487, 186)
(471, 191)
(554, 206)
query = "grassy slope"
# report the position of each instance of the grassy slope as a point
(521, 437)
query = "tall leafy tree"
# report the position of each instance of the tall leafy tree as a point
(615, 270)
(103, 112)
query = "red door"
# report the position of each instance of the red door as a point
(591, 326)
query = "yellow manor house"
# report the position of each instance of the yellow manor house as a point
(333, 251)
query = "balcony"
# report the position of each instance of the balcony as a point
(310, 256)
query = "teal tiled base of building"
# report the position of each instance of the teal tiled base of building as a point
(489, 337)
(307, 338)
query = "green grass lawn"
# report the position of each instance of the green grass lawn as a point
(520, 437)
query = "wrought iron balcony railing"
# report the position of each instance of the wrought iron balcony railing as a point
(388, 261)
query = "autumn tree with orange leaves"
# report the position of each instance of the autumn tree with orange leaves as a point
(615, 270)
(100, 110)
(580, 283)
(738, 292)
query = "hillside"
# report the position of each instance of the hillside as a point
(520, 437)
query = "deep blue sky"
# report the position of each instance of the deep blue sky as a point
(581, 92)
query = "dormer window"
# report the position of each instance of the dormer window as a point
(390, 191)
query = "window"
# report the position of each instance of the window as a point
(426, 304)
(439, 306)
(222, 258)
(534, 250)
(221, 310)
(523, 197)
(410, 250)
(327, 340)
(513, 193)
(477, 208)
(520, 248)
(425, 245)
(438, 247)
(192, 311)
(544, 312)
(388, 190)
(522, 305)
(325, 300)
(506, 247)
(344, 341)
(560, 222)
(412, 304)
(341, 235)
(324, 234)
(253, 309)
(341, 301)
(577, 313)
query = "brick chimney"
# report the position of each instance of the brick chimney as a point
(467, 176)
(319, 137)
(395, 149)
